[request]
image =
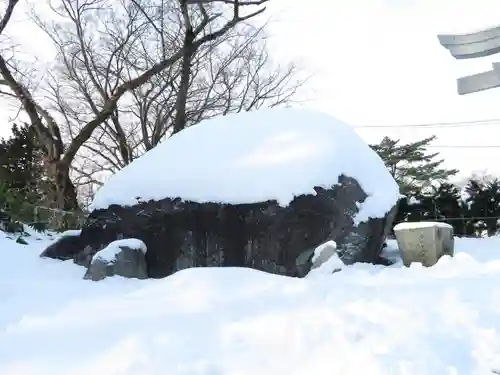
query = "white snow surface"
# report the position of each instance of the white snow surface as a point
(322, 248)
(413, 201)
(421, 224)
(254, 157)
(330, 260)
(71, 233)
(364, 319)
(108, 254)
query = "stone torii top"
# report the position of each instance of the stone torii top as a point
(476, 44)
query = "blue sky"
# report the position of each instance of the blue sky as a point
(378, 62)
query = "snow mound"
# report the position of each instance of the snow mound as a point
(225, 321)
(254, 157)
(323, 248)
(422, 224)
(108, 254)
(71, 233)
(329, 261)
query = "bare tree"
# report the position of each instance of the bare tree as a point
(61, 149)
(232, 73)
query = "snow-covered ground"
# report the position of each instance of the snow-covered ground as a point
(363, 320)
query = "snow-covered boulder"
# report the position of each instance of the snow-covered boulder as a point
(254, 189)
(424, 242)
(121, 258)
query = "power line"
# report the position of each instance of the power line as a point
(485, 122)
(456, 124)
(465, 218)
(463, 146)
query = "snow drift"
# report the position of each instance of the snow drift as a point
(225, 321)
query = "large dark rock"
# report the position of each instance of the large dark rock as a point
(180, 234)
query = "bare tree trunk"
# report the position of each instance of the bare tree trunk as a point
(121, 139)
(66, 197)
(187, 58)
(48, 139)
(182, 95)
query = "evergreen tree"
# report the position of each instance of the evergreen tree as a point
(21, 171)
(438, 204)
(412, 166)
(422, 180)
(24, 186)
(447, 205)
(483, 205)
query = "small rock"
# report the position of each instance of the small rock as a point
(64, 248)
(21, 241)
(120, 258)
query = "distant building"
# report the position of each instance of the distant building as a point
(474, 45)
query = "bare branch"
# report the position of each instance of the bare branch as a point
(231, 2)
(127, 77)
(8, 14)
